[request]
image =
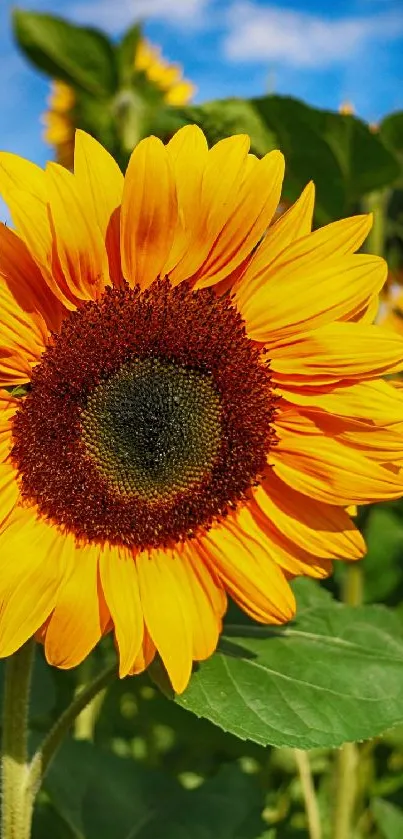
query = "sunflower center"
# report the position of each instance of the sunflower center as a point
(153, 428)
(149, 417)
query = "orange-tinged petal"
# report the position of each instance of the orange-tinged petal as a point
(29, 579)
(205, 623)
(80, 616)
(31, 218)
(21, 331)
(188, 152)
(9, 491)
(292, 558)
(337, 351)
(99, 176)
(373, 401)
(295, 296)
(25, 281)
(321, 529)
(217, 178)
(332, 472)
(166, 612)
(121, 590)
(257, 201)
(15, 368)
(80, 245)
(149, 213)
(145, 656)
(240, 555)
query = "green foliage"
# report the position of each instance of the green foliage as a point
(81, 57)
(389, 819)
(218, 761)
(293, 686)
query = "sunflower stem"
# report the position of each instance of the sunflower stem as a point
(16, 809)
(376, 203)
(47, 750)
(347, 756)
(308, 791)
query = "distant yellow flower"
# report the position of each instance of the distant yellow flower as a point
(168, 77)
(199, 398)
(61, 121)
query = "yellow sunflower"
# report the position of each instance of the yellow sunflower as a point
(191, 398)
(60, 120)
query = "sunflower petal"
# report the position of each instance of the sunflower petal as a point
(149, 213)
(166, 612)
(240, 555)
(121, 589)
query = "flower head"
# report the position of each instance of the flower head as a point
(191, 398)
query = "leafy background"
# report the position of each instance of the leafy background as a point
(223, 759)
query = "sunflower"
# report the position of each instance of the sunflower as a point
(191, 398)
(60, 119)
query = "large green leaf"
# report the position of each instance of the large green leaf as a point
(102, 796)
(82, 57)
(389, 818)
(391, 131)
(335, 674)
(340, 153)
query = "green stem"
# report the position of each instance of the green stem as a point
(347, 756)
(15, 820)
(308, 791)
(346, 772)
(44, 755)
(84, 724)
(376, 203)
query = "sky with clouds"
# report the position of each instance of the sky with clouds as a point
(324, 53)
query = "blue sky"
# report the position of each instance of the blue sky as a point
(321, 52)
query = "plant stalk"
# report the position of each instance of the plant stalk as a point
(46, 752)
(16, 808)
(309, 793)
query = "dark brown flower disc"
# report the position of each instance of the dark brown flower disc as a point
(148, 417)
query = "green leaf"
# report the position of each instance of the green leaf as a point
(391, 131)
(102, 796)
(307, 153)
(334, 675)
(126, 52)
(383, 569)
(79, 56)
(344, 158)
(389, 818)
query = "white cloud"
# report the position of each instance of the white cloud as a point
(117, 15)
(300, 39)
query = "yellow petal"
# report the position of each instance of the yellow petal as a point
(321, 529)
(240, 555)
(100, 178)
(79, 617)
(337, 351)
(80, 246)
(292, 225)
(149, 213)
(371, 401)
(257, 201)
(31, 571)
(298, 297)
(121, 590)
(166, 612)
(329, 471)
